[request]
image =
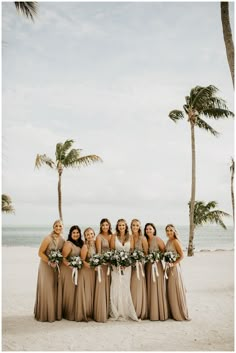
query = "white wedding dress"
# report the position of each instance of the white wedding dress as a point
(121, 304)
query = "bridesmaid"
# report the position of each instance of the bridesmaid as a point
(156, 291)
(138, 286)
(175, 287)
(47, 304)
(102, 289)
(86, 287)
(72, 247)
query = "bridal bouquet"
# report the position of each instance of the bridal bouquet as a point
(169, 257)
(120, 258)
(153, 257)
(96, 261)
(76, 263)
(138, 259)
(55, 256)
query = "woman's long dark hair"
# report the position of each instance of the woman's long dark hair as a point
(78, 242)
(153, 226)
(103, 221)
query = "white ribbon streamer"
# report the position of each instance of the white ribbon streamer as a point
(154, 271)
(108, 270)
(58, 268)
(137, 269)
(141, 266)
(166, 268)
(99, 273)
(75, 276)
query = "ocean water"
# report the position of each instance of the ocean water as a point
(208, 237)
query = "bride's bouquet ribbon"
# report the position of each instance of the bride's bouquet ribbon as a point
(155, 271)
(75, 276)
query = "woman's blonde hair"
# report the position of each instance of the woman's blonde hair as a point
(176, 234)
(57, 221)
(140, 230)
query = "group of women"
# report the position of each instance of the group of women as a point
(136, 296)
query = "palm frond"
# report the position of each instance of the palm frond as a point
(204, 215)
(217, 113)
(7, 206)
(62, 148)
(203, 125)
(77, 161)
(201, 95)
(176, 115)
(58, 152)
(28, 9)
(43, 159)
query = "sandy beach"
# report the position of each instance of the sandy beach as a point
(209, 279)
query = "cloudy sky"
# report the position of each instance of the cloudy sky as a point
(107, 74)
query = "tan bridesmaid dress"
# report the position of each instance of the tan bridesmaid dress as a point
(48, 302)
(176, 290)
(156, 291)
(66, 287)
(138, 288)
(102, 289)
(84, 299)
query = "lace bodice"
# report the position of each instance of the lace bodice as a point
(153, 244)
(119, 246)
(104, 244)
(91, 251)
(138, 244)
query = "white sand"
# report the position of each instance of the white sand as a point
(209, 281)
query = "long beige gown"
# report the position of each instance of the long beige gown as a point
(138, 288)
(156, 291)
(176, 290)
(102, 290)
(48, 300)
(84, 299)
(66, 286)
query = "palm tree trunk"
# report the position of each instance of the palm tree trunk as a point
(193, 191)
(232, 188)
(59, 194)
(229, 45)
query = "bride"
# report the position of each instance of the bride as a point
(121, 305)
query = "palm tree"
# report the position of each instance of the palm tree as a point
(202, 102)
(229, 44)
(7, 206)
(65, 157)
(28, 9)
(206, 213)
(232, 185)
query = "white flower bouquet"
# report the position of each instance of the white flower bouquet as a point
(96, 261)
(120, 259)
(138, 259)
(55, 256)
(154, 257)
(169, 257)
(77, 264)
